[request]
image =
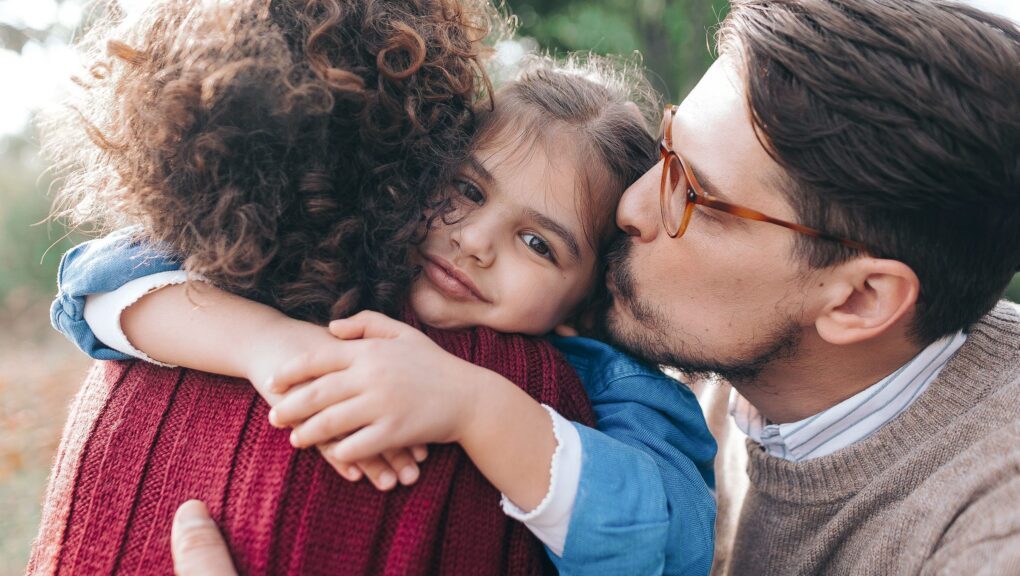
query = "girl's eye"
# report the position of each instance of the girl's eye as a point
(469, 191)
(538, 245)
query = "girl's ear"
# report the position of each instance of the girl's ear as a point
(566, 330)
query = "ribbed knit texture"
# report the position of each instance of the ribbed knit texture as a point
(142, 439)
(936, 491)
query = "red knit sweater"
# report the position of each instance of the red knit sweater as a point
(141, 440)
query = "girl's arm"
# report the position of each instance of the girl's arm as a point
(640, 500)
(196, 326)
(129, 293)
(102, 266)
(393, 386)
(654, 447)
(205, 328)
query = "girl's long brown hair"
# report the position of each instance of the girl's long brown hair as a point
(286, 148)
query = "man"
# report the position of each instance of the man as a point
(875, 375)
(832, 225)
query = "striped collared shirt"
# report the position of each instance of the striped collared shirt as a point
(853, 419)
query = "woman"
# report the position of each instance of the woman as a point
(308, 137)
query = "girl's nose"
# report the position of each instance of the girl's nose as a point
(638, 213)
(474, 237)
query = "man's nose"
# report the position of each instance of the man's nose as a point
(474, 238)
(638, 212)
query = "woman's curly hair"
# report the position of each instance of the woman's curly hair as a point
(286, 149)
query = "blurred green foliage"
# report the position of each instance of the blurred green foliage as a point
(673, 36)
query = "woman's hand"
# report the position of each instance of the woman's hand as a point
(196, 543)
(389, 386)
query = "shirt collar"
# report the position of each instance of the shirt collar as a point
(853, 419)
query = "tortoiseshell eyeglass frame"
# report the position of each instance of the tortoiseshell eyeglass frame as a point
(696, 195)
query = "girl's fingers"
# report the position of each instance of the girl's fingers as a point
(420, 452)
(379, 472)
(346, 470)
(336, 420)
(366, 324)
(364, 443)
(304, 402)
(403, 464)
(311, 365)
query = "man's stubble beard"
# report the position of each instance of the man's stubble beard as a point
(650, 336)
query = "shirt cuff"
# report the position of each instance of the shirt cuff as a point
(550, 520)
(103, 310)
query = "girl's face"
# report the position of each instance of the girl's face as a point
(514, 257)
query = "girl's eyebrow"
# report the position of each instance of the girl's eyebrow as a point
(558, 229)
(541, 219)
(480, 170)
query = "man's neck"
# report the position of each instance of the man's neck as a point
(821, 375)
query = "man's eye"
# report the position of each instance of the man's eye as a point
(537, 245)
(708, 215)
(469, 191)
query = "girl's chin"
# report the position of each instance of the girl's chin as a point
(443, 324)
(434, 314)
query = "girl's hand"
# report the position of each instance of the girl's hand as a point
(385, 470)
(389, 386)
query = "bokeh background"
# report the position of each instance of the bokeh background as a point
(39, 371)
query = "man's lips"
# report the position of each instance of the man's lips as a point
(450, 280)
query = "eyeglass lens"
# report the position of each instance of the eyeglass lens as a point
(675, 198)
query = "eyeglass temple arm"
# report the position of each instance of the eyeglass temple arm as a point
(711, 202)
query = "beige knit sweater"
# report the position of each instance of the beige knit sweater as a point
(936, 491)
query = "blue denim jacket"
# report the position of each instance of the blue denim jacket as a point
(644, 504)
(101, 265)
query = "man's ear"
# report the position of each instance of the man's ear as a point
(864, 299)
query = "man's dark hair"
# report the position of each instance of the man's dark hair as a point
(898, 123)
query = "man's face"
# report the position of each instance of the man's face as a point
(727, 296)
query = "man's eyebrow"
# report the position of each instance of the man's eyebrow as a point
(706, 183)
(557, 229)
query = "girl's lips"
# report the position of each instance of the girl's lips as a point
(450, 280)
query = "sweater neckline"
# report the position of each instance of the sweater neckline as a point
(991, 348)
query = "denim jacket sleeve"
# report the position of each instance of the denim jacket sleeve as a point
(645, 501)
(96, 266)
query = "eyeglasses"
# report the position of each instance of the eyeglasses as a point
(680, 192)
